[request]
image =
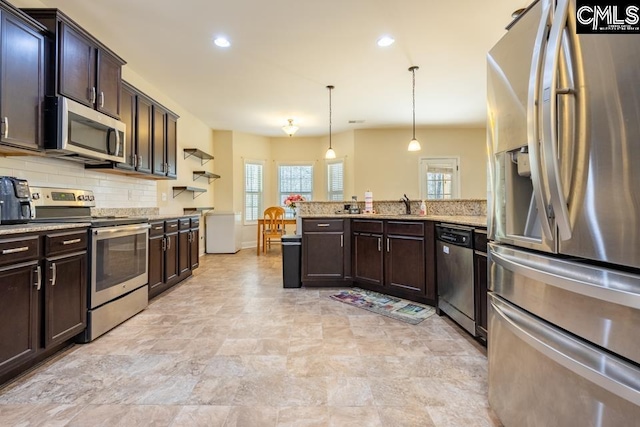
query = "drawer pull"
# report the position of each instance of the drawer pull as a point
(160, 227)
(323, 225)
(15, 250)
(71, 242)
(38, 278)
(54, 273)
(173, 225)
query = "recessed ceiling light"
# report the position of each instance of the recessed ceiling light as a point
(385, 41)
(222, 42)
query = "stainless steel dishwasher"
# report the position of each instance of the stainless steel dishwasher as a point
(454, 269)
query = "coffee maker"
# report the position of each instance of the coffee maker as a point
(15, 201)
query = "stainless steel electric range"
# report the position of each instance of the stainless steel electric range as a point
(118, 253)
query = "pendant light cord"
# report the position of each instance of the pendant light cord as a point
(413, 71)
(330, 87)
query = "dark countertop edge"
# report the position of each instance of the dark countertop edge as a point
(35, 227)
(472, 220)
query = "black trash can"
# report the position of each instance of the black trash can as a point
(291, 254)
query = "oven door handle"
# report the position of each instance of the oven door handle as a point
(118, 231)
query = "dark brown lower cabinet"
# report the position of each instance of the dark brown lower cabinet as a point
(43, 296)
(405, 264)
(395, 257)
(156, 262)
(194, 247)
(325, 252)
(172, 245)
(480, 281)
(171, 257)
(18, 314)
(184, 252)
(368, 258)
(163, 256)
(65, 289)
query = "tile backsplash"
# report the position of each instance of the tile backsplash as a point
(111, 190)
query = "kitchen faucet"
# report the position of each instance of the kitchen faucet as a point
(407, 204)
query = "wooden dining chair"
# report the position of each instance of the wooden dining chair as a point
(273, 227)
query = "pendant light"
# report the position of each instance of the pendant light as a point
(290, 129)
(414, 145)
(330, 153)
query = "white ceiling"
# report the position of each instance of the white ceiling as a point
(284, 53)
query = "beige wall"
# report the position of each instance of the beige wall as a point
(383, 165)
(375, 159)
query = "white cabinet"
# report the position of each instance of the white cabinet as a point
(223, 232)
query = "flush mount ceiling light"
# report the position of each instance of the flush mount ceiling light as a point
(222, 42)
(385, 41)
(414, 145)
(330, 154)
(290, 129)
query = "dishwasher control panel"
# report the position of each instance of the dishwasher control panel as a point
(459, 236)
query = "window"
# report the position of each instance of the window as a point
(295, 179)
(439, 178)
(335, 181)
(253, 184)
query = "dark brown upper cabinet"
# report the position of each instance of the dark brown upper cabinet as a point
(82, 68)
(22, 80)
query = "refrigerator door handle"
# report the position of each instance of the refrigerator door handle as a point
(533, 138)
(597, 283)
(550, 92)
(609, 373)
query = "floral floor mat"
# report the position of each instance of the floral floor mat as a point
(396, 308)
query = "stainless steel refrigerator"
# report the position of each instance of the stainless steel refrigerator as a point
(564, 257)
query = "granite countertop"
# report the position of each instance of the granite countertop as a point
(472, 220)
(175, 216)
(35, 227)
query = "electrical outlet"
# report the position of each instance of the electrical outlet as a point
(164, 197)
(130, 194)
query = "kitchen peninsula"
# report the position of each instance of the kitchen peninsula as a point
(388, 251)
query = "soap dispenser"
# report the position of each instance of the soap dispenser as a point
(423, 208)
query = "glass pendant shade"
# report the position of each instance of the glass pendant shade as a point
(290, 129)
(414, 145)
(330, 154)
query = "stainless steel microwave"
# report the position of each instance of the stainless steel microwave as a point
(76, 132)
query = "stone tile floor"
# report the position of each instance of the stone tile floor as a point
(230, 347)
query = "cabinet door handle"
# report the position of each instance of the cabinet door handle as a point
(54, 273)
(101, 99)
(323, 225)
(134, 160)
(387, 244)
(379, 244)
(168, 242)
(15, 250)
(5, 131)
(71, 242)
(139, 161)
(38, 278)
(342, 240)
(93, 95)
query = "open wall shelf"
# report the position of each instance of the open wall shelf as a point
(204, 174)
(195, 190)
(196, 210)
(195, 152)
